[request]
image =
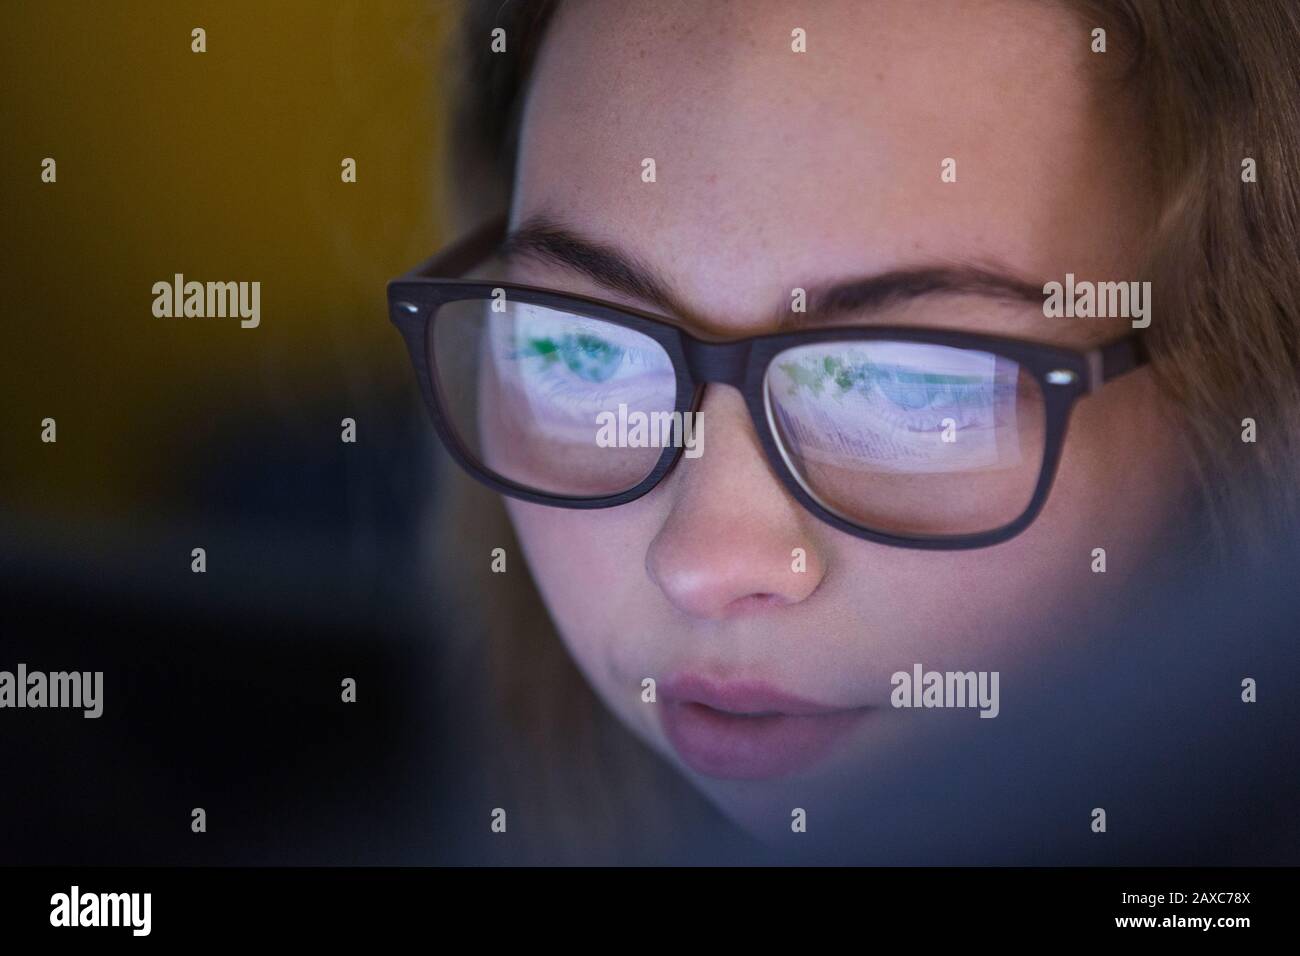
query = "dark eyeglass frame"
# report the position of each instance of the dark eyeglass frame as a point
(1063, 375)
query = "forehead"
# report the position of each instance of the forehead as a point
(776, 169)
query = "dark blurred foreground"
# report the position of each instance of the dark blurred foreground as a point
(222, 691)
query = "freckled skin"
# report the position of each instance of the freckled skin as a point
(778, 170)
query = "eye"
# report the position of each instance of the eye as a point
(900, 387)
(576, 364)
(915, 390)
(590, 357)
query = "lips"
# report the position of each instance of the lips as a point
(748, 730)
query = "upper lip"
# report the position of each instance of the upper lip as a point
(745, 697)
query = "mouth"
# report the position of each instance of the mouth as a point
(747, 730)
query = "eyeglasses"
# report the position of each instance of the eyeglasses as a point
(912, 437)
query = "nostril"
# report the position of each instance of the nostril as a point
(755, 602)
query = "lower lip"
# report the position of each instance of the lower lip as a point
(738, 747)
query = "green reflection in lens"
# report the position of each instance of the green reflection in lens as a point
(588, 356)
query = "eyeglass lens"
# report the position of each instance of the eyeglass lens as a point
(899, 437)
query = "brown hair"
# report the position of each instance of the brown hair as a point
(1218, 82)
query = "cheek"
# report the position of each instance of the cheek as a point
(1119, 487)
(1123, 478)
(590, 569)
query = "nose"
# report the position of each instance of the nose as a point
(727, 547)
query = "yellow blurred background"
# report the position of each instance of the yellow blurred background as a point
(224, 166)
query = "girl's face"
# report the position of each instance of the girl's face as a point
(778, 170)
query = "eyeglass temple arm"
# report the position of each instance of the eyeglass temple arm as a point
(1112, 360)
(464, 254)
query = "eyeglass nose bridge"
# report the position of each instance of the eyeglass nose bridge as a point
(717, 362)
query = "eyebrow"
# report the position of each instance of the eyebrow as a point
(544, 238)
